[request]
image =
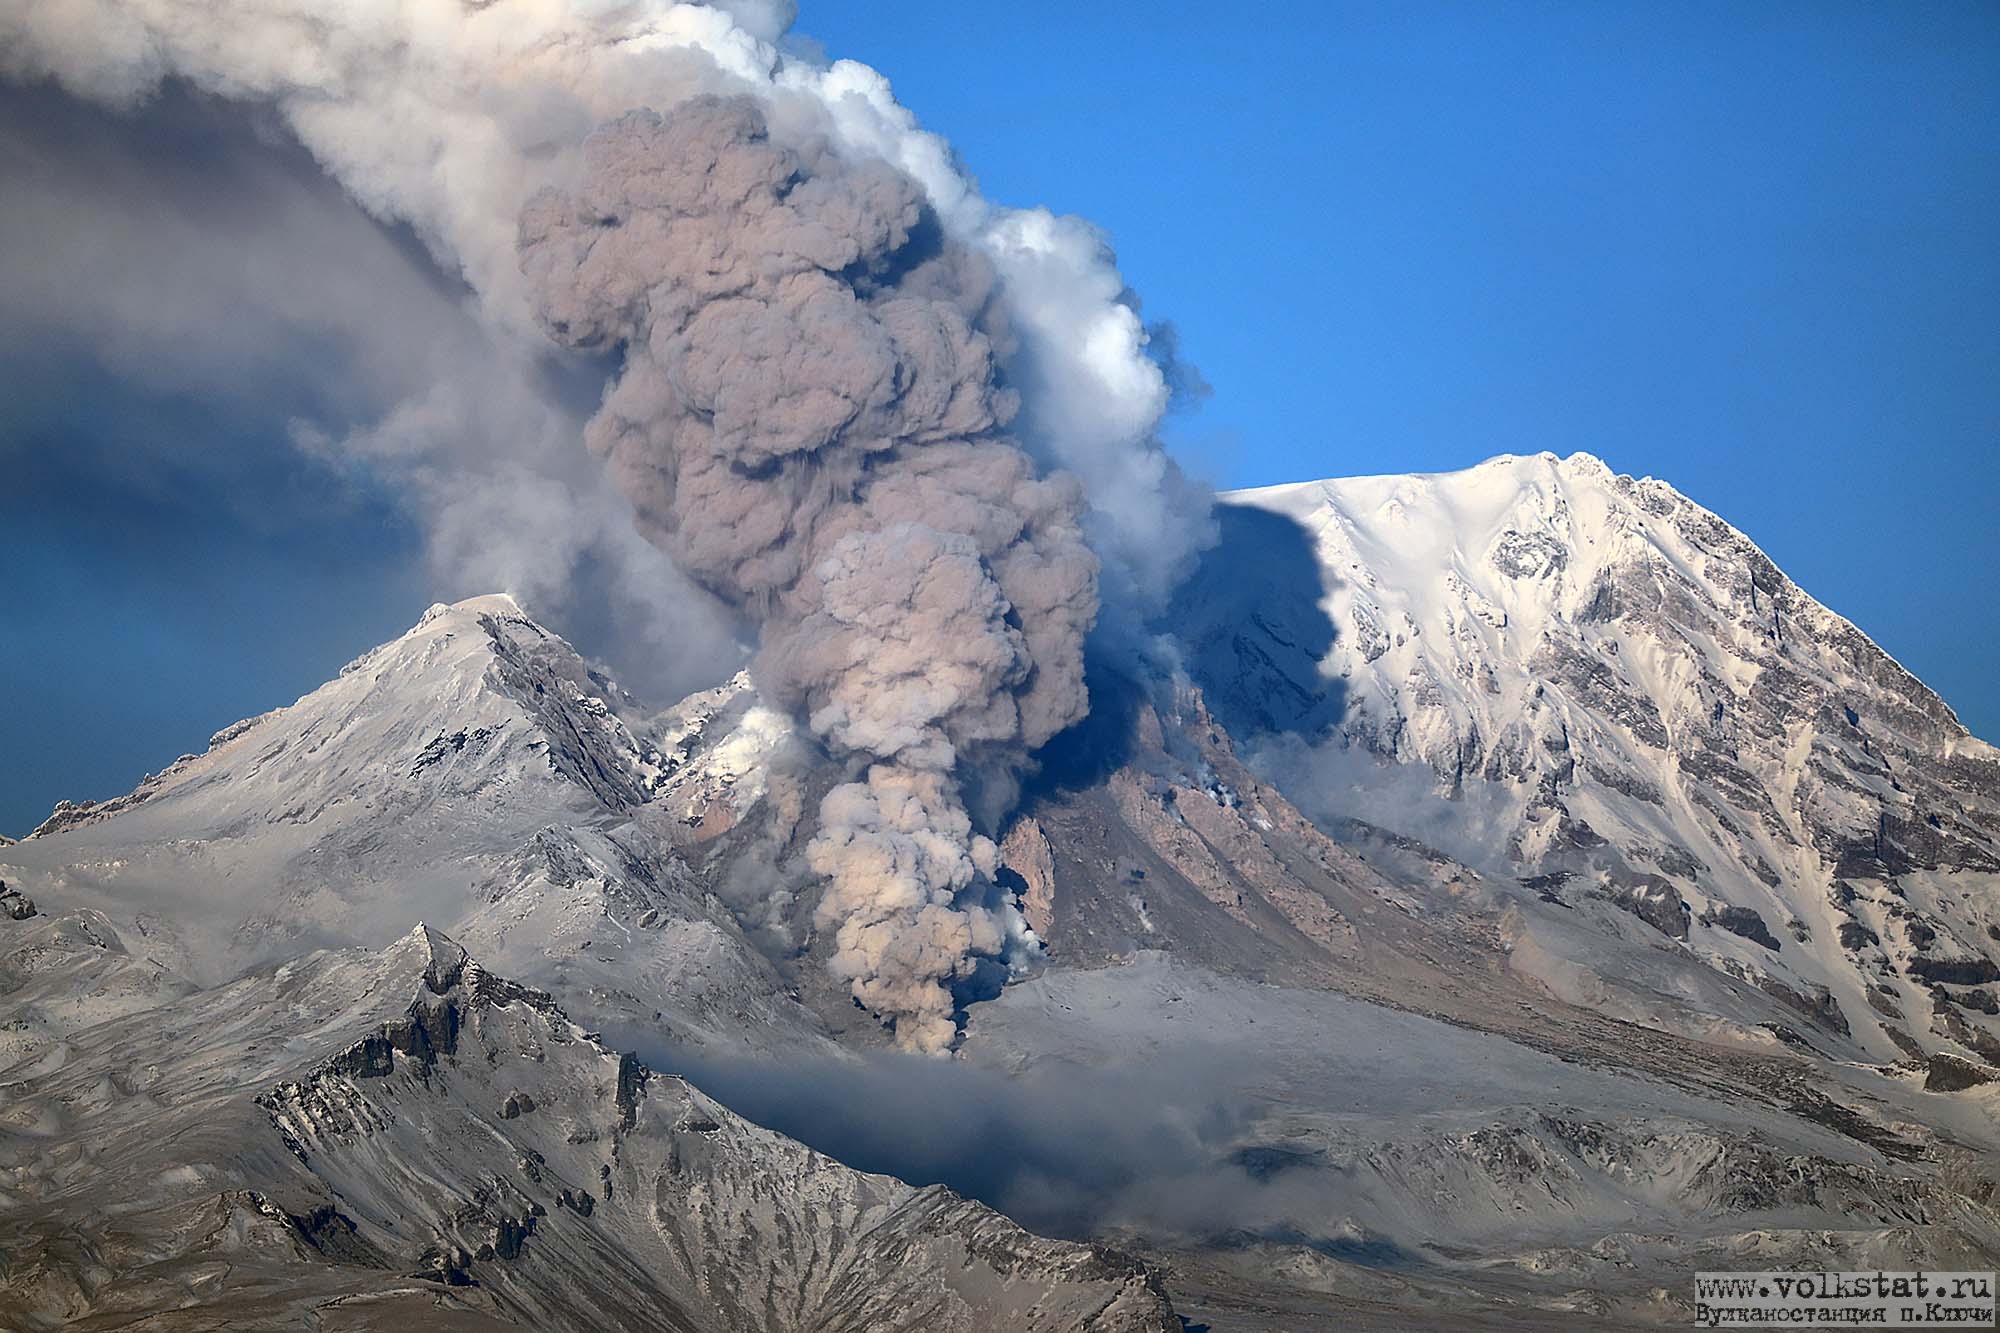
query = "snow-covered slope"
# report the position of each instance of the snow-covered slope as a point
(1592, 683)
(476, 773)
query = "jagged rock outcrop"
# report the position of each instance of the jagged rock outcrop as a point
(330, 1134)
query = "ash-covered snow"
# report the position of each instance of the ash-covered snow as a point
(475, 772)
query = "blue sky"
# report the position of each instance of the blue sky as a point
(1747, 248)
(1753, 249)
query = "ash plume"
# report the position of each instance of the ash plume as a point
(810, 419)
(858, 400)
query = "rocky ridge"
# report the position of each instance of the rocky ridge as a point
(376, 1139)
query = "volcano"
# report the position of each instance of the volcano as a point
(1512, 895)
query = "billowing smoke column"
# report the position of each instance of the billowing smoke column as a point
(809, 419)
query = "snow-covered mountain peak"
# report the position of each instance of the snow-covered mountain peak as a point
(470, 754)
(437, 956)
(492, 604)
(1603, 683)
(474, 699)
(475, 774)
(1505, 557)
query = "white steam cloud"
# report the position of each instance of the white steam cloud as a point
(857, 400)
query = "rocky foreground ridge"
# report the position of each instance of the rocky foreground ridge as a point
(388, 1140)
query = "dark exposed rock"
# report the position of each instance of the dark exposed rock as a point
(510, 1235)
(1744, 922)
(1676, 860)
(1821, 1109)
(1577, 834)
(371, 1057)
(1656, 902)
(1950, 1073)
(1625, 781)
(1982, 1000)
(1712, 768)
(1904, 1042)
(446, 1264)
(1528, 555)
(1855, 936)
(445, 746)
(1816, 1003)
(1790, 1036)
(1604, 604)
(1595, 683)
(632, 1076)
(1264, 1161)
(1945, 1018)
(1954, 971)
(425, 1033)
(333, 1233)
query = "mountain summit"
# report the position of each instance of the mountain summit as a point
(475, 772)
(1589, 681)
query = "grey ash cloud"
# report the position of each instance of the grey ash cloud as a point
(811, 419)
(854, 400)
